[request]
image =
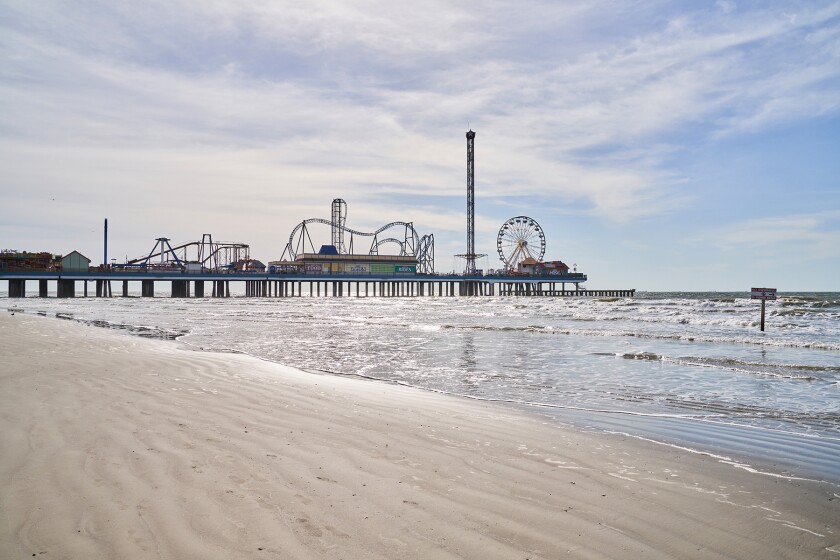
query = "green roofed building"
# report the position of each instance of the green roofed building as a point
(357, 265)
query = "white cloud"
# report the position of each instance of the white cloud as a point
(813, 236)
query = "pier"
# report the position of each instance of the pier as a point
(351, 265)
(262, 285)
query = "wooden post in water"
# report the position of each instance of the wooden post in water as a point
(762, 314)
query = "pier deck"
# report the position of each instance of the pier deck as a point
(308, 285)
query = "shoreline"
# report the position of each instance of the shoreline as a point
(135, 448)
(730, 443)
(716, 441)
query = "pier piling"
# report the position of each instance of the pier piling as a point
(17, 288)
(66, 289)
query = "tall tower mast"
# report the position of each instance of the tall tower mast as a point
(339, 219)
(470, 256)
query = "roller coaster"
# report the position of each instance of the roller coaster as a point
(212, 256)
(409, 243)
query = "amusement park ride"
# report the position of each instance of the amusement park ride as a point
(520, 238)
(409, 243)
(206, 254)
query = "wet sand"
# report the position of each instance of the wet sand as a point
(116, 446)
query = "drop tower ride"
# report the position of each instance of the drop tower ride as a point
(470, 256)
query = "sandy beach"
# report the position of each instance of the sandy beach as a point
(116, 446)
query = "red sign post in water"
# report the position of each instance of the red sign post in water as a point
(763, 294)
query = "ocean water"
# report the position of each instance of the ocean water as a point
(689, 370)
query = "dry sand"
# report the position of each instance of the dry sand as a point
(113, 446)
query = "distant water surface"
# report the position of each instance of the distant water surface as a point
(685, 369)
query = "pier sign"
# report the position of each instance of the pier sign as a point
(763, 293)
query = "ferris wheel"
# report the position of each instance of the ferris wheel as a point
(520, 237)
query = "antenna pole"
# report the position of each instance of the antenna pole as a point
(105, 257)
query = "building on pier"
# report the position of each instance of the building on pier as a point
(324, 263)
(24, 260)
(249, 265)
(531, 267)
(283, 267)
(74, 261)
(329, 261)
(527, 266)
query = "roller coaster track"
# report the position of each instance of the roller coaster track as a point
(211, 255)
(412, 245)
(300, 236)
(381, 242)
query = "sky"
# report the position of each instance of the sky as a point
(661, 146)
